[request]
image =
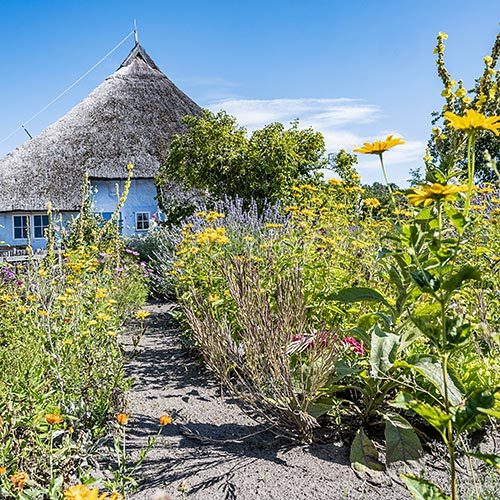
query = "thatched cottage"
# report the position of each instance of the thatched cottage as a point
(129, 118)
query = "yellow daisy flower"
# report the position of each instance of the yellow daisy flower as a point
(472, 120)
(430, 193)
(379, 147)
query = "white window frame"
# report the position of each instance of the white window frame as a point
(28, 227)
(43, 228)
(148, 214)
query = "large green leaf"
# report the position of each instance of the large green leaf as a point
(421, 489)
(455, 280)
(429, 368)
(402, 443)
(363, 454)
(383, 349)
(433, 415)
(359, 294)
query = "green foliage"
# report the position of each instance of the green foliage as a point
(447, 147)
(216, 155)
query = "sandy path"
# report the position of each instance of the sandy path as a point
(169, 380)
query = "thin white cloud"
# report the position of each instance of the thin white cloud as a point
(322, 113)
(343, 122)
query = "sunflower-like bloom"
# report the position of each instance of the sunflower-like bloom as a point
(165, 420)
(430, 193)
(81, 492)
(379, 147)
(54, 418)
(472, 120)
(19, 480)
(122, 418)
(372, 202)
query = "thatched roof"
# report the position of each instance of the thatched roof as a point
(130, 117)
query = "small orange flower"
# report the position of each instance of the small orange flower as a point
(165, 420)
(54, 418)
(3, 470)
(19, 480)
(122, 418)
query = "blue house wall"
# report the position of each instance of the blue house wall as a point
(7, 228)
(140, 207)
(141, 200)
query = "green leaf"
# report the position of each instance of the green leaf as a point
(402, 443)
(425, 281)
(383, 350)
(433, 415)
(488, 458)
(318, 409)
(363, 454)
(490, 411)
(421, 489)
(455, 280)
(431, 370)
(469, 415)
(456, 217)
(359, 294)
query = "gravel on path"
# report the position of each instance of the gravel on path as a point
(168, 380)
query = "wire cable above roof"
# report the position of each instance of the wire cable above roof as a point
(21, 127)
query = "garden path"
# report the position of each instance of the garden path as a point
(170, 380)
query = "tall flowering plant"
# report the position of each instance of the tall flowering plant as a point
(427, 268)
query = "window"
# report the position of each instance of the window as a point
(20, 227)
(106, 216)
(40, 224)
(142, 221)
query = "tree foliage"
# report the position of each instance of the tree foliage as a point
(217, 155)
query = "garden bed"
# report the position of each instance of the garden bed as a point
(207, 448)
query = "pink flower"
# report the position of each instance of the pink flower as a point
(354, 344)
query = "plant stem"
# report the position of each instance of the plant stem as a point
(387, 182)
(471, 167)
(449, 440)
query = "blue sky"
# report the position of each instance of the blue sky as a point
(356, 70)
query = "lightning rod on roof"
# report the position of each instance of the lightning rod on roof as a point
(136, 34)
(26, 130)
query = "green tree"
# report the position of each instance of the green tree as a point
(216, 155)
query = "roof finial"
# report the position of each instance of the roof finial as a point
(136, 33)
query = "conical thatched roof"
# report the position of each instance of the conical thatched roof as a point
(130, 117)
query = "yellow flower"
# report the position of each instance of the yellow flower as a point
(213, 216)
(379, 147)
(212, 235)
(271, 225)
(19, 480)
(335, 182)
(371, 202)
(54, 418)
(142, 315)
(81, 492)
(430, 193)
(3, 470)
(165, 420)
(472, 120)
(103, 316)
(122, 418)
(43, 313)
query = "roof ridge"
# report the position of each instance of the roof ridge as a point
(138, 52)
